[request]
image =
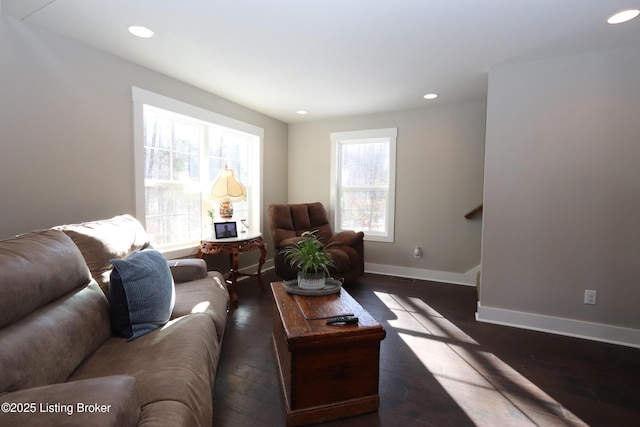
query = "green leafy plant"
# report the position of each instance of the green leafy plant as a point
(210, 212)
(309, 254)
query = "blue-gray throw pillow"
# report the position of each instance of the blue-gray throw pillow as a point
(141, 293)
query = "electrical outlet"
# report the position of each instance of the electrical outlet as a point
(589, 297)
(417, 252)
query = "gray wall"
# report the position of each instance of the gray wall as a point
(562, 195)
(440, 154)
(66, 130)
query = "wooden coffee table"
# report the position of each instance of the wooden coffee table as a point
(326, 372)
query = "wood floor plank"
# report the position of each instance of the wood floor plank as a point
(438, 366)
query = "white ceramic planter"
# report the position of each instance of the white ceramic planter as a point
(311, 280)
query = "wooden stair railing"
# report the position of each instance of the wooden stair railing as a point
(474, 211)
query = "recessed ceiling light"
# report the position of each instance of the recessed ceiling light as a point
(302, 112)
(624, 16)
(140, 31)
(431, 96)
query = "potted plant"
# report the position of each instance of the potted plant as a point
(310, 256)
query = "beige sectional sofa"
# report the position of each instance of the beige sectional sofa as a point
(60, 362)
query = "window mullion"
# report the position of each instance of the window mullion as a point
(205, 173)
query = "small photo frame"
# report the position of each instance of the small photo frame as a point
(225, 230)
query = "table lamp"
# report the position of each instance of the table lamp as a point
(227, 189)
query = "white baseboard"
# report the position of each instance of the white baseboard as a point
(555, 325)
(468, 278)
(536, 322)
(251, 269)
(471, 275)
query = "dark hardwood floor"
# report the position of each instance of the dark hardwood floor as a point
(438, 366)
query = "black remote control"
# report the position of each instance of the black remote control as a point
(342, 320)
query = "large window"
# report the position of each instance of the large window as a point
(179, 151)
(363, 182)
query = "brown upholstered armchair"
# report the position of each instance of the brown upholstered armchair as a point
(288, 222)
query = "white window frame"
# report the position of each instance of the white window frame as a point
(143, 97)
(364, 136)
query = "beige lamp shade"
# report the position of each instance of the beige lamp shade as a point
(227, 189)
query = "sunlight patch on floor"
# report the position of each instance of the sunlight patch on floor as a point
(481, 384)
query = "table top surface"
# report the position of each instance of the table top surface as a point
(304, 318)
(241, 238)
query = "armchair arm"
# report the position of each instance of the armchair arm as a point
(187, 269)
(289, 241)
(346, 237)
(104, 401)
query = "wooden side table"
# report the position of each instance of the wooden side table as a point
(234, 246)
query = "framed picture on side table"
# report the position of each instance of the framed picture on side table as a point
(226, 230)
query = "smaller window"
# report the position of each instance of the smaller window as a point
(363, 182)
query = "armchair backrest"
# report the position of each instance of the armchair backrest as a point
(291, 220)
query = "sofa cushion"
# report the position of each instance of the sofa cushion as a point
(174, 363)
(104, 240)
(46, 346)
(35, 269)
(208, 296)
(141, 292)
(105, 401)
(52, 313)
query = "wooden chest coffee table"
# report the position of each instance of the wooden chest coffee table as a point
(326, 372)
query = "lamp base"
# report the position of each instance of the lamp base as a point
(226, 210)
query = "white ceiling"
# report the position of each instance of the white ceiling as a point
(335, 57)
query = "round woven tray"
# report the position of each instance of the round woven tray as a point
(331, 286)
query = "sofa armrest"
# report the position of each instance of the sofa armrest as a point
(187, 269)
(105, 401)
(346, 237)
